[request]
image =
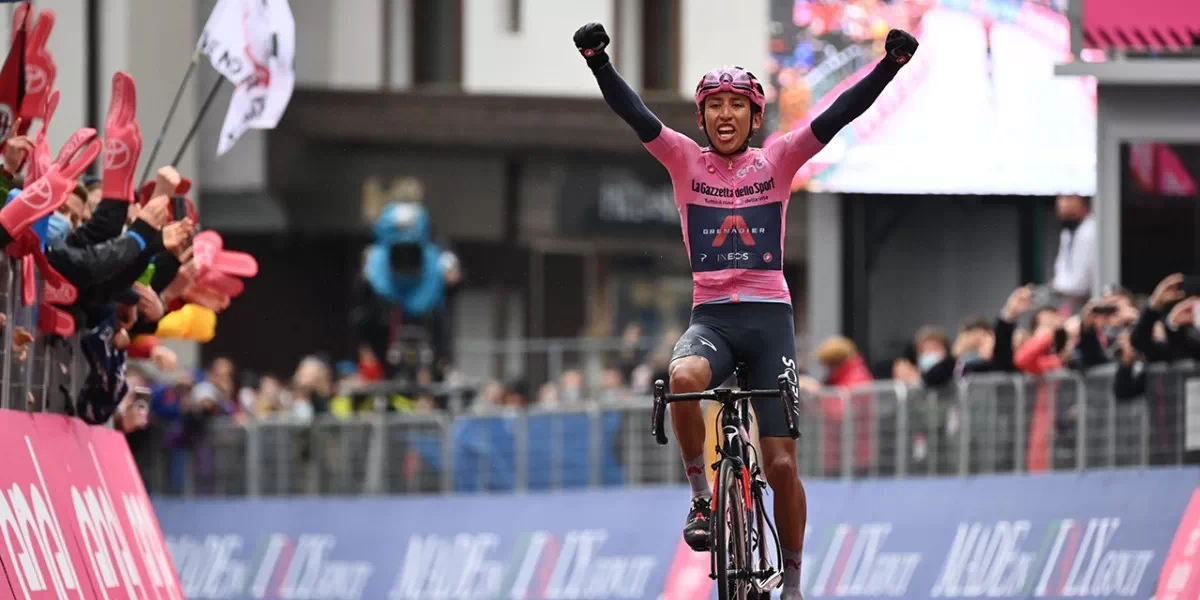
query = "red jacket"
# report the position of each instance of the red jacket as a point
(1035, 356)
(850, 374)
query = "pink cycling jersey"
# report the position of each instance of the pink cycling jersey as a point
(733, 212)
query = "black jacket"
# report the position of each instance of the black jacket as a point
(1001, 362)
(1183, 343)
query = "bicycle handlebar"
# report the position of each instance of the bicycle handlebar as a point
(721, 395)
(785, 393)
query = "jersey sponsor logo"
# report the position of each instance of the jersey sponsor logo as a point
(741, 191)
(734, 224)
(759, 163)
(746, 237)
(705, 341)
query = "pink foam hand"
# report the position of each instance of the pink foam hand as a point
(41, 148)
(221, 283)
(55, 288)
(61, 294)
(205, 247)
(238, 264)
(21, 16)
(29, 288)
(55, 321)
(40, 71)
(211, 254)
(123, 144)
(207, 297)
(50, 191)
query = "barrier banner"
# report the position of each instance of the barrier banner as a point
(74, 516)
(1096, 534)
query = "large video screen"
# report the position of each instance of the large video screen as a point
(978, 111)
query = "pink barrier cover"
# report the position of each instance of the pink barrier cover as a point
(75, 519)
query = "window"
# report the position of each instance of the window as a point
(437, 42)
(660, 44)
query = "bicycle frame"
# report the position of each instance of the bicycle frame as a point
(734, 445)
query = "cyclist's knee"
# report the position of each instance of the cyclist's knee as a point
(690, 374)
(781, 471)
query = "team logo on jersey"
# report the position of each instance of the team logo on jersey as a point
(747, 237)
(737, 225)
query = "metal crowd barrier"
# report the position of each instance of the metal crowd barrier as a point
(33, 376)
(982, 424)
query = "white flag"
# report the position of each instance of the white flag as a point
(230, 35)
(261, 98)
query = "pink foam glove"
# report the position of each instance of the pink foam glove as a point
(41, 148)
(55, 321)
(50, 191)
(40, 71)
(29, 288)
(55, 288)
(210, 255)
(123, 140)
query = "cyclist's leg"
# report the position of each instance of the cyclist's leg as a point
(775, 340)
(701, 359)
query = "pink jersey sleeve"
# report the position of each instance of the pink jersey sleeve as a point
(674, 150)
(791, 150)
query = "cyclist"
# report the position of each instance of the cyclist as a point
(731, 200)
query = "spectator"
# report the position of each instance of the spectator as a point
(312, 388)
(904, 371)
(612, 385)
(630, 354)
(1169, 306)
(1051, 346)
(1075, 263)
(846, 370)
(95, 194)
(845, 365)
(934, 359)
(641, 381)
(570, 386)
(1130, 380)
(221, 374)
(1103, 320)
(548, 395)
(516, 395)
(270, 399)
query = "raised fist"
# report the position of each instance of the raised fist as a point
(901, 46)
(591, 40)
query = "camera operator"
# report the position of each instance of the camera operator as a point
(400, 297)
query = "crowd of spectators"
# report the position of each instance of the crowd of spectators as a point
(1038, 331)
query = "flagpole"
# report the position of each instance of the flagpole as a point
(162, 134)
(212, 94)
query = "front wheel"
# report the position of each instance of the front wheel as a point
(730, 542)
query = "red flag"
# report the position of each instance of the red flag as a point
(12, 81)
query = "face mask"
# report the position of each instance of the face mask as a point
(1069, 224)
(928, 360)
(970, 357)
(58, 228)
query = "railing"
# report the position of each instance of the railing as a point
(990, 424)
(34, 377)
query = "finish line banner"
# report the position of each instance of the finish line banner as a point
(74, 515)
(1102, 534)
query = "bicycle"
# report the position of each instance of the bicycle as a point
(739, 514)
